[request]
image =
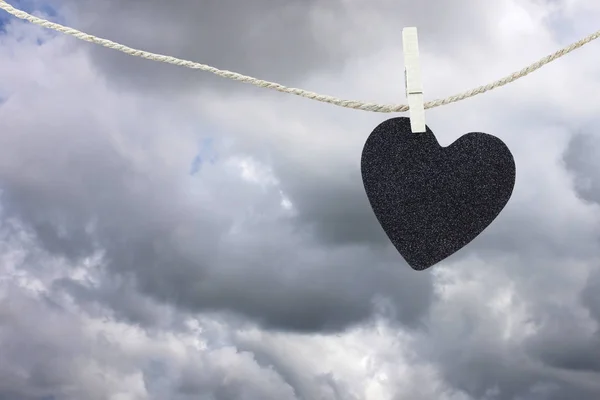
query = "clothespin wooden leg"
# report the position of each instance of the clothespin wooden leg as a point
(413, 84)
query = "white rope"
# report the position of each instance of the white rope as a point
(357, 105)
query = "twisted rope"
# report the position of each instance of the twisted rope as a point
(354, 104)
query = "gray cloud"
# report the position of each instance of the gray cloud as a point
(581, 159)
(110, 249)
(546, 351)
(590, 296)
(98, 192)
(283, 41)
(45, 352)
(51, 352)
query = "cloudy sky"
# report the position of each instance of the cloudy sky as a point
(168, 234)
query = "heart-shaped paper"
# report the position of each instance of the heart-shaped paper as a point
(431, 200)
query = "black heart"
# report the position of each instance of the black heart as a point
(430, 200)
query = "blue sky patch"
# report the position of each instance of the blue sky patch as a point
(206, 153)
(30, 6)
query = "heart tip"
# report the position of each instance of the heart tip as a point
(420, 267)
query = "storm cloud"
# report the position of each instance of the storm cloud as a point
(168, 234)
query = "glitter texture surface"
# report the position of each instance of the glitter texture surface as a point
(431, 200)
